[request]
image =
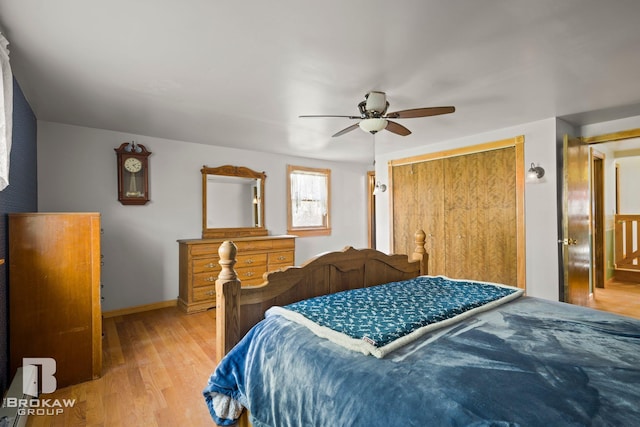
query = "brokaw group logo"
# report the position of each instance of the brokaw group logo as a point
(38, 378)
(45, 373)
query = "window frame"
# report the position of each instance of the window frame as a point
(323, 230)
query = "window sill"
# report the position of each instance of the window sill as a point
(307, 232)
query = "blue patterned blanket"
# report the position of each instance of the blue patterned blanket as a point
(380, 319)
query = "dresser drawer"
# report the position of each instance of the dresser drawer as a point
(208, 249)
(206, 265)
(279, 258)
(283, 243)
(252, 274)
(249, 260)
(253, 245)
(204, 279)
(204, 293)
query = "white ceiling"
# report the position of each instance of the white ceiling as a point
(238, 74)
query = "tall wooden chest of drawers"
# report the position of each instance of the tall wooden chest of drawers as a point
(199, 268)
(54, 292)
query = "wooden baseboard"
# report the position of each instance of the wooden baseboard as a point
(140, 308)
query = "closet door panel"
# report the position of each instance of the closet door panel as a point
(405, 214)
(460, 216)
(497, 228)
(430, 192)
(419, 205)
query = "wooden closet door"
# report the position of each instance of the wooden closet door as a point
(460, 209)
(480, 212)
(419, 205)
(467, 205)
(496, 231)
(404, 215)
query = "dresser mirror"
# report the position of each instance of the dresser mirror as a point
(232, 202)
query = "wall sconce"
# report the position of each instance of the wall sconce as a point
(535, 173)
(379, 188)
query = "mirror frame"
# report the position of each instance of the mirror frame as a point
(241, 172)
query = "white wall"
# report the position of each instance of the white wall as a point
(77, 172)
(611, 126)
(629, 174)
(629, 169)
(540, 199)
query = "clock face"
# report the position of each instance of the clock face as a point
(133, 165)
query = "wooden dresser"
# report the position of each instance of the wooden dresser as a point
(54, 292)
(199, 266)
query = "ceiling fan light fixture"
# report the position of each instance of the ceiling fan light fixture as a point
(373, 125)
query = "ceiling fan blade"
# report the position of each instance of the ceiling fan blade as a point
(420, 112)
(345, 117)
(397, 128)
(345, 130)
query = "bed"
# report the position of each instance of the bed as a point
(525, 361)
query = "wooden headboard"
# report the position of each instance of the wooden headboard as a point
(239, 308)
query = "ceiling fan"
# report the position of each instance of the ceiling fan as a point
(374, 117)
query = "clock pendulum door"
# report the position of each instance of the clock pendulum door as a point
(133, 166)
(133, 187)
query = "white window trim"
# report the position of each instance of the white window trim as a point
(323, 230)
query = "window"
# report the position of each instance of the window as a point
(308, 201)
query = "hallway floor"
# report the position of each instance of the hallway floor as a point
(618, 297)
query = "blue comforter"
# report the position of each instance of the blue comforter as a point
(526, 363)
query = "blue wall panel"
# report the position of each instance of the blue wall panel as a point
(20, 196)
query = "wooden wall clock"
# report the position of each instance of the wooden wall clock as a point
(133, 173)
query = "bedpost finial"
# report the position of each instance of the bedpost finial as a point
(420, 240)
(420, 253)
(227, 253)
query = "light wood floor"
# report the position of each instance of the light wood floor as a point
(618, 297)
(155, 366)
(157, 363)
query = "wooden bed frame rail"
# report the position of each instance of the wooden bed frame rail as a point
(240, 308)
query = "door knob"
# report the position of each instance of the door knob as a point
(568, 241)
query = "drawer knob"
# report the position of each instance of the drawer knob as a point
(210, 293)
(249, 273)
(210, 279)
(249, 261)
(210, 265)
(282, 258)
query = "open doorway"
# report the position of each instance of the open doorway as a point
(597, 219)
(615, 224)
